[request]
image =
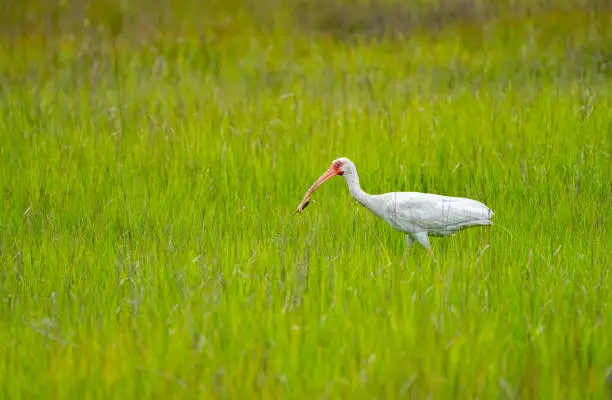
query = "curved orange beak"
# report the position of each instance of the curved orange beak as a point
(327, 175)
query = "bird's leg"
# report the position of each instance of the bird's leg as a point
(431, 253)
(422, 238)
(409, 241)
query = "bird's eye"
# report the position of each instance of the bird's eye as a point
(338, 165)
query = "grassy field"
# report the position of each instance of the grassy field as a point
(151, 168)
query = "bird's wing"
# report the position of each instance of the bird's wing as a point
(413, 212)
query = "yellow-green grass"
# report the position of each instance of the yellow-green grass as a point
(148, 246)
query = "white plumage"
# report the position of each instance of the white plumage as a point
(418, 215)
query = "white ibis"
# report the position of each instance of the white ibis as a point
(418, 215)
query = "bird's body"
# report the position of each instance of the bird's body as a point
(418, 215)
(412, 212)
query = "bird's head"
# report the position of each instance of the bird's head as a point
(340, 166)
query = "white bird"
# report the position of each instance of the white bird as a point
(418, 215)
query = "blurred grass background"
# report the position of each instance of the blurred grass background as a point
(341, 19)
(495, 42)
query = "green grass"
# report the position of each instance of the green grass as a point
(148, 246)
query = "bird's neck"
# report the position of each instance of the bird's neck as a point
(352, 180)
